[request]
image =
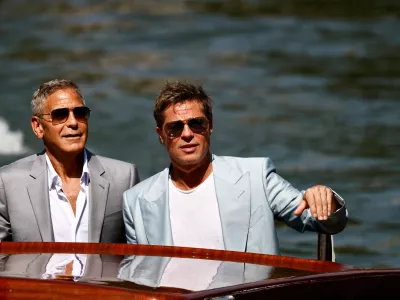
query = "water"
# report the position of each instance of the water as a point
(314, 87)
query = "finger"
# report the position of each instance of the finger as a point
(302, 206)
(309, 197)
(318, 203)
(329, 196)
(324, 203)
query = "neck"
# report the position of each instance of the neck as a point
(190, 177)
(67, 166)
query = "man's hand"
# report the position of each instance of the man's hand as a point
(320, 200)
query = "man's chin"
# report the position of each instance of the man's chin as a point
(192, 159)
(71, 149)
(74, 149)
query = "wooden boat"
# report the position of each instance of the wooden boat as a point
(120, 271)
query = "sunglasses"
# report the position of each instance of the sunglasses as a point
(60, 115)
(197, 125)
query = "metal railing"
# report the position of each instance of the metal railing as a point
(325, 247)
(325, 250)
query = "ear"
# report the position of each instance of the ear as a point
(37, 127)
(159, 132)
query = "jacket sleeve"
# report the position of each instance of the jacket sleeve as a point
(134, 176)
(5, 226)
(283, 199)
(128, 219)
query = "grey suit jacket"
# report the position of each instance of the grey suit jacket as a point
(24, 199)
(250, 196)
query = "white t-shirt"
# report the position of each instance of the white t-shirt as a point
(195, 222)
(194, 215)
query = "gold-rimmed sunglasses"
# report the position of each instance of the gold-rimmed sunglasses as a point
(60, 115)
(174, 129)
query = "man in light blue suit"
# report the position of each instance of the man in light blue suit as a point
(208, 201)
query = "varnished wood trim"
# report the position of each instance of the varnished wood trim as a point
(33, 289)
(149, 250)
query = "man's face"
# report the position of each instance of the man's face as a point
(191, 147)
(67, 137)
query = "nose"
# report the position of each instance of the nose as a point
(187, 133)
(71, 121)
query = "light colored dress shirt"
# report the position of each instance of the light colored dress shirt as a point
(68, 227)
(58, 262)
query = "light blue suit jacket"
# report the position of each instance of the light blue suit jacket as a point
(250, 196)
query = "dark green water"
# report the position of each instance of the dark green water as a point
(312, 84)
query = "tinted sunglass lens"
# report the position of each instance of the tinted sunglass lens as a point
(59, 115)
(174, 129)
(81, 113)
(198, 125)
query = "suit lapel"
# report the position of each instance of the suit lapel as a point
(98, 193)
(228, 274)
(154, 206)
(37, 267)
(233, 194)
(39, 196)
(143, 270)
(93, 267)
(233, 273)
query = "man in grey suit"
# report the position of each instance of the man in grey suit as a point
(65, 193)
(208, 201)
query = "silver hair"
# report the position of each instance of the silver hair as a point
(48, 88)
